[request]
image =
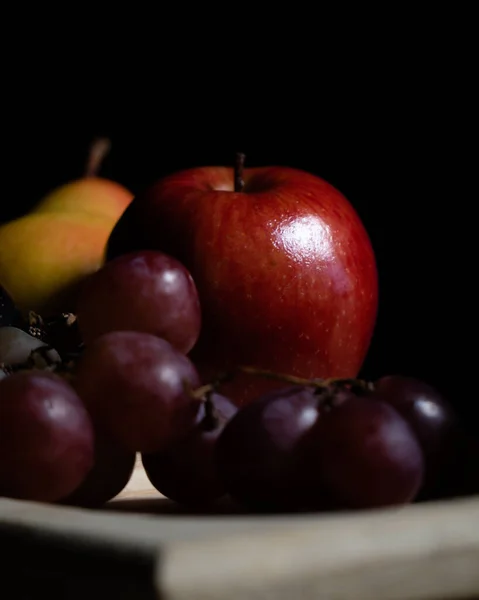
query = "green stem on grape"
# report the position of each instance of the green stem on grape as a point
(204, 393)
(279, 376)
(239, 168)
(317, 383)
(294, 380)
(96, 155)
(201, 392)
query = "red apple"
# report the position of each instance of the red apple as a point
(284, 268)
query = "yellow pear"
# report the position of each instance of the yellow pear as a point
(45, 257)
(90, 194)
(46, 254)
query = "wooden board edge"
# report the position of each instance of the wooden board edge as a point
(423, 553)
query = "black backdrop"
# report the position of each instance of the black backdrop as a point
(396, 144)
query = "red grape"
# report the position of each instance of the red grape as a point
(143, 291)
(133, 384)
(257, 452)
(364, 453)
(111, 472)
(430, 416)
(186, 471)
(296, 449)
(46, 437)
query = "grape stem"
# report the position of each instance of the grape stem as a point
(204, 393)
(282, 377)
(319, 384)
(316, 383)
(99, 148)
(239, 167)
(211, 419)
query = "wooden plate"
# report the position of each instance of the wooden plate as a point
(143, 546)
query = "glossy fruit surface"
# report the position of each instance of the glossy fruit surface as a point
(259, 454)
(143, 291)
(186, 471)
(46, 437)
(284, 269)
(112, 469)
(135, 385)
(365, 454)
(431, 417)
(297, 449)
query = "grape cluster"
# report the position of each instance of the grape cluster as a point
(81, 395)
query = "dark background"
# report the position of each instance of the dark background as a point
(394, 134)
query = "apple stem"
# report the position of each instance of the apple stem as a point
(239, 167)
(96, 155)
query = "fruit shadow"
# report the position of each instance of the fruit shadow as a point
(164, 506)
(159, 505)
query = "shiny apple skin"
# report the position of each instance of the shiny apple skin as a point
(285, 269)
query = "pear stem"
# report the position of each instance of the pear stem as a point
(99, 148)
(239, 167)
